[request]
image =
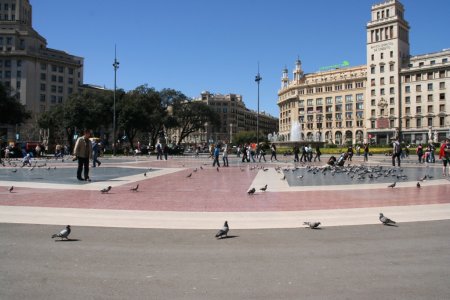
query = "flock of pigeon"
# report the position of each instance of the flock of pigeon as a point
(223, 232)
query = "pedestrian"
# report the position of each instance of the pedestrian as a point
(358, 150)
(444, 154)
(225, 154)
(350, 152)
(83, 152)
(310, 153)
(159, 153)
(296, 152)
(273, 148)
(216, 155)
(419, 152)
(244, 153)
(26, 160)
(318, 153)
(366, 152)
(262, 152)
(95, 153)
(396, 152)
(165, 151)
(304, 153)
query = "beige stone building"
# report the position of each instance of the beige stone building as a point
(37, 75)
(394, 95)
(234, 117)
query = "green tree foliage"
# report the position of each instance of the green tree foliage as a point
(191, 116)
(245, 137)
(11, 110)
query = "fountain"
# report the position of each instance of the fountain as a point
(296, 132)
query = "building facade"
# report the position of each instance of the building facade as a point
(394, 95)
(234, 117)
(38, 76)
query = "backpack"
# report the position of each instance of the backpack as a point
(397, 148)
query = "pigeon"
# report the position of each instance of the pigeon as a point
(312, 225)
(392, 185)
(423, 178)
(201, 168)
(135, 188)
(224, 231)
(263, 188)
(63, 234)
(106, 190)
(145, 174)
(190, 174)
(284, 177)
(11, 189)
(14, 171)
(385, 220)
(418, 185)
(251, 191)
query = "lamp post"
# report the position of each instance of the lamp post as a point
(116, 66)
(258, 78)
(231, 133)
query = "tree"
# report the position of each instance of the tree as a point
(11, 110)
(191, 116)
(140, 111)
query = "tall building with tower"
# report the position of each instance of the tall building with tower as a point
(393, 95)
(38, 76)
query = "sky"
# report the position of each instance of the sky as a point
(216, 46)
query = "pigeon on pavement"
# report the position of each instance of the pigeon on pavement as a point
(251, 191)
(392, 185)
(135, 188)
(312, 225)
(263, 188)
(386, 220)
(63, 234)
(224, 231)
(190, 174)
(418, 185)
(106, 190)
(11, 189)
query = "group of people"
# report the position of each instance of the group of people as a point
(307, 153)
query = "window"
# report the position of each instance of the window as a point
(338, 87)
(408, 110)
(419, 123)
(309, 102)
(407, 78)
(430, 75)
(43, 67)
(17, 84)
(53, 78)
(418, 109)
(381, 91)
(372, 70)
(391, 54)
(54, 68)
(418, 77)
(43, 87)
(433, 62)
(372, 102)
(42, 97)
(418, 88)
(407, 89)
(348, 86)
(359, 97)
(391, 91)
(61, 69)
(391, 79)
(372, 92)
(372, 124)
(391, 101)
(442, 85)
(70, 80)
(442, 96)
(391, 111)
(19, 74)
(53, 99)
(372, 82)
(381, 55)
(71, 71)
(372, 112)
(430, 98)
(319, 101)
(60, 99)
(328, 88)
(391, 67)
(348, 107)
(70, 91)
(382, 69)
(430, 121)
(53, 88)
(421, 64)
(382, 81)
(60, 79)
(372, 57)
(19, 63)
(441, 74)
(442, 108)
(408, 123)
(430, 87)
(444, 60)
(430, 108)
(419, 99)
(338, 99)
(60, 90)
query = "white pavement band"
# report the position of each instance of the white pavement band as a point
(211, 220)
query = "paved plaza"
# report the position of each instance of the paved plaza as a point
(158, 242)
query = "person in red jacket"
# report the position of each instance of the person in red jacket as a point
(444, 154)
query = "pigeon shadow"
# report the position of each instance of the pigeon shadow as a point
(391, 225)
(228, 237)
(68, 240)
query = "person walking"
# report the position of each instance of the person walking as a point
(296, 152)
(216, 155)
(444, 154)
(95, 153)
(396, 152)
(419, 152)
(318, 153)
(366, 152)
(262, 152)
(273, 148)
(225, 155)
(83, 153)
(159, 151)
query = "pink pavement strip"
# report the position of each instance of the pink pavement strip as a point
(225, 191)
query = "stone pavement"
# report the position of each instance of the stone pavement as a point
(167, 198)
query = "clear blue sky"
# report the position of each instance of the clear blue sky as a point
(198, 45)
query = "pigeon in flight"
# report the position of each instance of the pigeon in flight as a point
(418, 185)
(106, 190)
(263, 188)
(63, 234)
(392, 185)
(385, 220)
(11, 189)
(135, 188)
(251, 191)
(224, 231)
(312, 225)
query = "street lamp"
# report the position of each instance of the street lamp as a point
(258, 78)
(116, 66)
(231, 133)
